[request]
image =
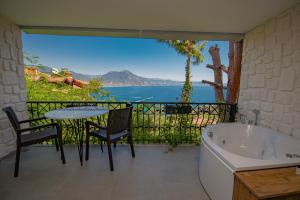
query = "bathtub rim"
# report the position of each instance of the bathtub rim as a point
(241, 163)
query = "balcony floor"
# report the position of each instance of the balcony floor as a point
(153, 174)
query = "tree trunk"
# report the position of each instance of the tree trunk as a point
(187, 84)
(218, 76)
(234, 72)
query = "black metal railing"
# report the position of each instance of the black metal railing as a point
(153, 122)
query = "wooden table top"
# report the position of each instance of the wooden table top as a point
(271, 182)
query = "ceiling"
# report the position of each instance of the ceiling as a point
(168, 19)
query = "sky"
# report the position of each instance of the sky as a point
(99, 55)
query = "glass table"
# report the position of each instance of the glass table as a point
(78, 115)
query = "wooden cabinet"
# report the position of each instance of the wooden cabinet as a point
(275, 184)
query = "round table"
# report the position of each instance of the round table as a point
(78, 114)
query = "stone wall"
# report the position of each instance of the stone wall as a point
(12, 84)
(270, 79)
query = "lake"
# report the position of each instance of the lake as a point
(200, 93)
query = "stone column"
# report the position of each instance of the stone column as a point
(12, 82)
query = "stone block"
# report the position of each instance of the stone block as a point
(8, 89)
(269, 73)
(266, 106)
(296, 40)
(297, 120)
(296, 133)
(20, 107)
(268, 57)
(278, 111)
(288, 118)
(260, 69)
(14, 53)
(245, 67)
(272, 83)
(13, 66)
(16, 89)
(8, 37)
(276, 71)
(20, 71)
(14, 99)
(271, 96)
(251, 70)
(244, 81)
(287, 48)
(284, 35)
(275, 125)
(7, 135)
(5, 51)
(296, 56)
(288, 109)
(260, 50)
(23, 96)
(263, 94)
(10, 78)
(6, 65)
(286, 61)
(257, 81)
(4, 124)
(277, 52)
(298, 83)
(296, 100)
(287, 79)
(285, 128)
(270, 42)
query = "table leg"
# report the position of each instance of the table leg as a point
(79, 138)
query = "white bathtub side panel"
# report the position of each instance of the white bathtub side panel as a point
(215, 177)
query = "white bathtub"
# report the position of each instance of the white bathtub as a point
(230, 147)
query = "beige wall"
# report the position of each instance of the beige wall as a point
(12, 84)
(270, 79)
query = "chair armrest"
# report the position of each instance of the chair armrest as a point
(31, 120)
(37, 127)
(89, 123)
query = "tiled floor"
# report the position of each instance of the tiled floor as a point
(154, 174)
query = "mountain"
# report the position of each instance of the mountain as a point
(128, 78)
(118, 78)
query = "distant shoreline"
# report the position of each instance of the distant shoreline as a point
(138, 85)
(108, 86)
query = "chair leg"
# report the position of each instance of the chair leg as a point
(101, 145)
(87, 147)
(56, 144)
(111, 164)
(60, 142)
(18, 152)
(115, 144)
(130, 140)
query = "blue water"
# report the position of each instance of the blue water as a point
(159, 93)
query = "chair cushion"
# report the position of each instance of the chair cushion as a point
(102, 133)
(39, 135)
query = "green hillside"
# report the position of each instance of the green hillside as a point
(42, 90)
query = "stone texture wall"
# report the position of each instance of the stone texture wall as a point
(270, 80)
(12, 83)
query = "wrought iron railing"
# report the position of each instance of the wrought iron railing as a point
(153, 122)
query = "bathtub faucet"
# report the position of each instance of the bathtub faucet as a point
(256, 113)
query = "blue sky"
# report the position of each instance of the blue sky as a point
(98, 55)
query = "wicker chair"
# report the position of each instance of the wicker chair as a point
(34, 135)
(119, 125)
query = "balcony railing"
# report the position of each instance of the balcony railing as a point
(153, 122)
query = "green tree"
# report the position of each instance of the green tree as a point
(192, 50)
(32, 60)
